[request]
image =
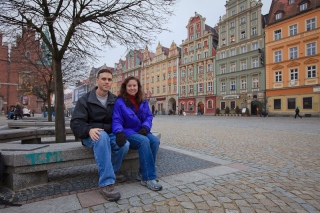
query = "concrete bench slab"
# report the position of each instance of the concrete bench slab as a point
(24, 124)
(30, 167)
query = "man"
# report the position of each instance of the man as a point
(91, 122)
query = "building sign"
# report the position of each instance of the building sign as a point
(316, 89)
(161, 99)
(230, 96)
(80, 91)
(25, 100)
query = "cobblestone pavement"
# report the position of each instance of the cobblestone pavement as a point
(281, 154)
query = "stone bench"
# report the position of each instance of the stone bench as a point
(30, 135)
(27, 165)
(24, 124)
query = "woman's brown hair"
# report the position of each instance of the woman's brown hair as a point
(123, 91)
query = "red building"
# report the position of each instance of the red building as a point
(17, 74)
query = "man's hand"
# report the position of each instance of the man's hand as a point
(143, 131)
(95, 133)
(120, 139)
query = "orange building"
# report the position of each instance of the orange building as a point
(292, 39)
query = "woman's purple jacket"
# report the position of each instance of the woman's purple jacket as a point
(125, 119)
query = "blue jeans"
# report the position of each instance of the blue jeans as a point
(108, 156)
(147, 147)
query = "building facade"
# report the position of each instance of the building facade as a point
(196, 70)
(293, 59)
(239, 62)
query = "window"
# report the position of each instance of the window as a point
(223, 69)
(163, 66)
(223, 55)
(243, 83)
(191, 59)
(223, 41)
(243, 49)
(158, 78)
(232, 105)
(152, 79)
(185, 61)
(293, 29)
(232, 52)
(307, 103)
(28, 55)
(277, 34)
(255, 81)
(210, 68)
(232, 39)
(278, 76)
(169, 75)
(277, 56)
(175, 87)
(311, 49)
(243, 65)
(254, 31)
(210, 104)
(293, 52)
(183, 73)
(169, 88)
(255, 63)
(243, 34)
(206, 54)
(232, 67)
(254, 15)
(223, 86)
(223, 105)
(200, 88)
(255, 46)
(278, 16)
(158, 89)
(233, 12)
(233, 85)
(232, 24)
(183, 89)
(191, 37)
(152, 90)
(291, 1)
(174, 74)
(303, 6)
(277, 103)
(163, 88)
(199, 56)
(198, 35)
(311, 24)
(311, 71)
(243, 20)
(198, 45)
(242, 8)
(174, 63)
(210, 86)
(200, 69)
(294, 74)
(190, 72)
(164, 77)
(191, 89)
(291, 103)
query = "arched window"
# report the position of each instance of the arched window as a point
(209, 104)
(190, 105)
(28, 55)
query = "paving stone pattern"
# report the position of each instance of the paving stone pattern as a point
(282, 155)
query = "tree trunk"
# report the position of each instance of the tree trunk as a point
(49, 107)
(59, 102)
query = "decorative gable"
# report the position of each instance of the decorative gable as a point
(293, 64)
(311, 61)
(277, 67)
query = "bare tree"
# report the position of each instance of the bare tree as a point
(83, 26)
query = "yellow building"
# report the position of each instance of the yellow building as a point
(159, 77)
(292, 38)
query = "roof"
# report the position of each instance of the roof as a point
(288, 10)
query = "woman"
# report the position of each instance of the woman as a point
(132, 119)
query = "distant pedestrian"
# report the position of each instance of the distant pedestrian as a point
(18, 111)
(297, 113)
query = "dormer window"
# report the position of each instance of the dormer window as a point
(303, 6)
(291, 1)
(278, 16)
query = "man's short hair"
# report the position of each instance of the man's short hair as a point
(103, 71)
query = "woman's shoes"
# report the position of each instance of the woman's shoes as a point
(151, 184)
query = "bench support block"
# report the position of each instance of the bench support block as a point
(24, 180)
(31, 141)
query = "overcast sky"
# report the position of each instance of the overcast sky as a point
(184, 10)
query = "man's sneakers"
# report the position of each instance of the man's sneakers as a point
(151, 184)
(109, 193)
(120, 178)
